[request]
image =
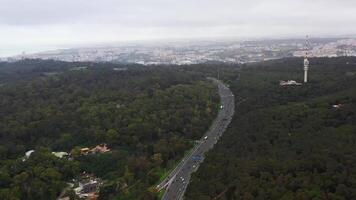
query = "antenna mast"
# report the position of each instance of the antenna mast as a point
(306, 61)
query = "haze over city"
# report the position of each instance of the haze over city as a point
(39, 25)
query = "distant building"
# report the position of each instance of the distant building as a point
(78, 68)
(289, 82)
(88, 186)
(84, 151)
(57, 154)
(337, 106)
(120, 69)
(101, 148)
(27, 155)
(60, 154)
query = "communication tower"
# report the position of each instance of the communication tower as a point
(306, 61)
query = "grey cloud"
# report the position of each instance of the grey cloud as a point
(168, 13)
(66, 21)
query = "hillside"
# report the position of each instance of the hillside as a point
(292, 142)
(147, 116)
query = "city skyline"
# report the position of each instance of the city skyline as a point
(40, 25)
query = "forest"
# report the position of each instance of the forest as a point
(290, 142)
(149, 117)
(286, 142)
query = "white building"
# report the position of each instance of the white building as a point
(289, 82)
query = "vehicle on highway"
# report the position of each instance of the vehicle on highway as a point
(196, 157)
(191, 163)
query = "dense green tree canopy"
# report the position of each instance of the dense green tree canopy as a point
(286, 142)
(148, 116)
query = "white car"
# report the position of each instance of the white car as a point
(206, 137)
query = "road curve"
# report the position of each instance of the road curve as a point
(177, 181)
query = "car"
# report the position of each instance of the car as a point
(196, 158)
(221, 107)
(206, 137)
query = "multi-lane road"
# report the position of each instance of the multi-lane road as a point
(176, 182)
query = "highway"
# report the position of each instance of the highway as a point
(176, 182)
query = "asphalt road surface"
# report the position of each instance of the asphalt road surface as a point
(177, 181)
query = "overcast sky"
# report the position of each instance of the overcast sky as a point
(34, 25)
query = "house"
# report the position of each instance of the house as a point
(27, 155)
(289, 82)
(88, 186)
(84, 151)
(60, 154)
(337, 106)
(101, 148)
